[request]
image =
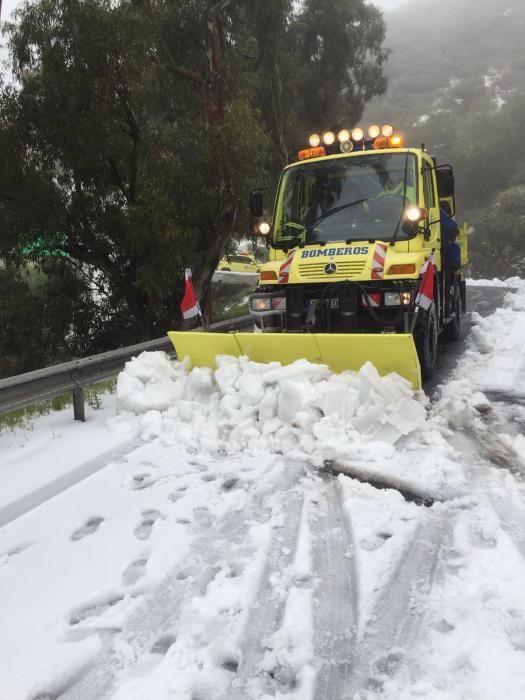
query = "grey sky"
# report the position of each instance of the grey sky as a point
(9, 5)
(385, 5)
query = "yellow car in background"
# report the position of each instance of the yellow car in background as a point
(238, 263)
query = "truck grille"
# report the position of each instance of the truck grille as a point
(345, 270)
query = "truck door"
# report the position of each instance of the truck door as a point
(431, 203)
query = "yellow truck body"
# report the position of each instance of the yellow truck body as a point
(351, 237)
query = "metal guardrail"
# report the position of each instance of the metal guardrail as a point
(24, 390)
(235, 278)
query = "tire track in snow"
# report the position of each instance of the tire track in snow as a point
(153, 626)
(495, 453)
(512, 518)
(335, 607)
(399, 613)
(44, 493)
(267, 612)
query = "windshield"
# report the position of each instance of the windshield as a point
(348, 199)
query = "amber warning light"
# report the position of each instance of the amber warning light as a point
(312, 153)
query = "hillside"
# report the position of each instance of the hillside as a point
(456, 82)
(448, 55)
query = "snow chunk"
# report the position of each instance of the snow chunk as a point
(150, 382)
(241, 405)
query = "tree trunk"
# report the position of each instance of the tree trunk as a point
(227, 210)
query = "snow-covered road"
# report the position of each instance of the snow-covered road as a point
(206, 543)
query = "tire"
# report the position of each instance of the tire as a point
(426, 339)
(452, 330)
(225, 269)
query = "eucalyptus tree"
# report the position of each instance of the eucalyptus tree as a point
(136, 128)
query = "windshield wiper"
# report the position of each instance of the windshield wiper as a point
(335, 210)
(298, 240)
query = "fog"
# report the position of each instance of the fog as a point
(387, 5)
(7, 6)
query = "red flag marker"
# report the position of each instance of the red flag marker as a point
(189, 304)
(425, 296)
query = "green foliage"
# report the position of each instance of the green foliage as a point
(133, 135)
(45, 317)
(315, 67)
(341, 60)
(497, 239)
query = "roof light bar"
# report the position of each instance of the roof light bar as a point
(340, 138)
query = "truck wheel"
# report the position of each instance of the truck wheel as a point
(452, 330)
(426, 339)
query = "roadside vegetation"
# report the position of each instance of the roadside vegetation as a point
(24, 417)
(125, 159)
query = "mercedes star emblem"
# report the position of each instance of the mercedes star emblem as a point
(330, 268)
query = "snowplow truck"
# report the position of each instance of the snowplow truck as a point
(362, 262)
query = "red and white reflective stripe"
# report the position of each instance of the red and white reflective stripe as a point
(284, 270)
(378, 261)
(374, 299)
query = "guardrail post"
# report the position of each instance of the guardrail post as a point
(79, 411)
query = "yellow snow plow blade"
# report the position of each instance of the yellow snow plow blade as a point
(394, 352)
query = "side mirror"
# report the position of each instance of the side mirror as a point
(256, 204)
(261, 205)
(445, 181)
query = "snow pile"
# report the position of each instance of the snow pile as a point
(493, 364)
(485, 397)
(302, 409)
(516, 282)
(358, 423)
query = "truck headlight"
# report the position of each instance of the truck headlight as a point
(279, 303)
(397, 298)
(415, 214)
(268, 303)
(260, 303)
